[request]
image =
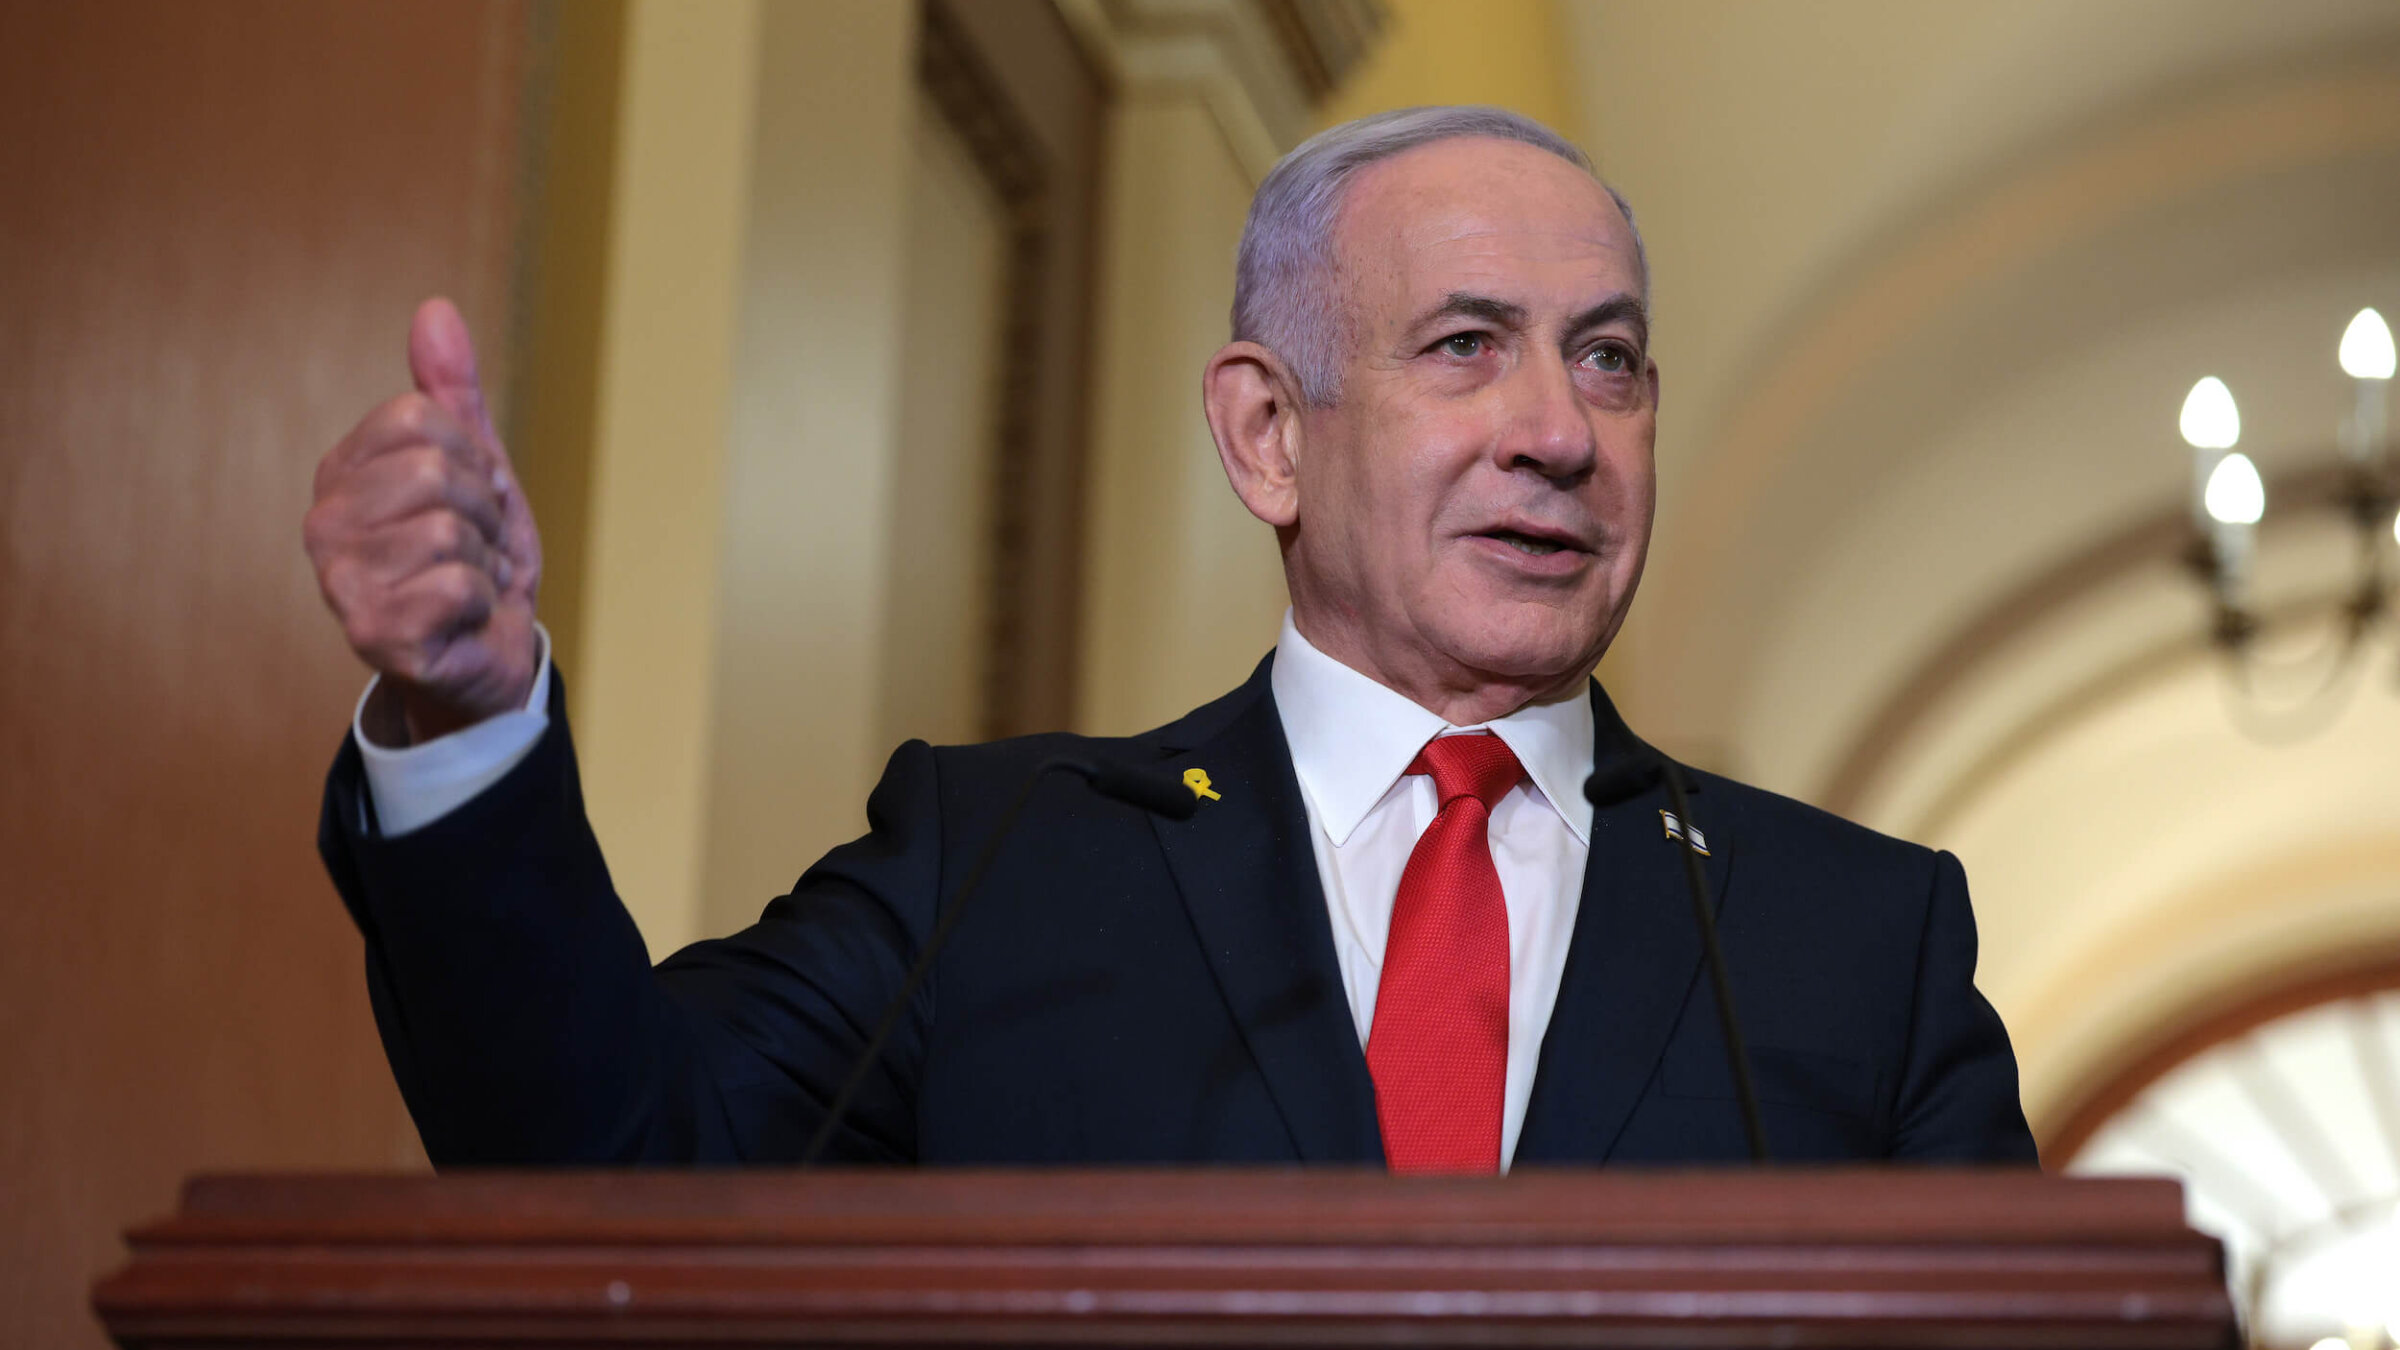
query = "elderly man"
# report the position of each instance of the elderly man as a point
(1393, 930)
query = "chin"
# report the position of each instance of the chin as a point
(1517, 640)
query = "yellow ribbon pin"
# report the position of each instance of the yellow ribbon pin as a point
(1197, 781)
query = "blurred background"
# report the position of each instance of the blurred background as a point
(850, 355)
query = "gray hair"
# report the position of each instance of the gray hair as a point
(1282, 278)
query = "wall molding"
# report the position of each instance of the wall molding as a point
(977, 106)
(1261, 67)
(2207, 1023)
(1898, 719)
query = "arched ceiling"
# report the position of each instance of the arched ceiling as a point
(1766, 146)
(1876, 226)
(1932, 281)
(1895, 524)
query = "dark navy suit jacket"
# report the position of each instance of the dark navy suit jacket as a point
(1128, 989)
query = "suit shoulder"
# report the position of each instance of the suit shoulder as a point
(1772, 821)
(1018, 755)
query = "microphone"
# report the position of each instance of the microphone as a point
(1151, 791)
(1620, 779)
(1138, 787)
(1613, 783)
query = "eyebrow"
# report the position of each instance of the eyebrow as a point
(1466, 305)
(1619, 308)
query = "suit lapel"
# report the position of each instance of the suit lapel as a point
(1249, 878)
(1630, 964)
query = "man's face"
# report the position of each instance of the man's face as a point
(1474, 511)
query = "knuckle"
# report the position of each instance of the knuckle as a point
(371, 635)
(454, 586)
(428, 469)
(338, 579)
(411, 415)
(325, 525)
(445, 534)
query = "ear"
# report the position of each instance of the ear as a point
(1253, 407)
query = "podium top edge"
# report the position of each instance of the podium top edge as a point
(1249, 1206)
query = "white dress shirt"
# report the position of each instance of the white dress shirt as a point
(1351, 740)
(416, 785)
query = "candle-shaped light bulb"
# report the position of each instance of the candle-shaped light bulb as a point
(2367, 360)
(2233, 501)
(2236, 496)
(2210, 421)
(2367, 347)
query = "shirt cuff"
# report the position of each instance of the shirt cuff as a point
(414, 786)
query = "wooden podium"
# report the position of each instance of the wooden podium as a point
(1189, 1258)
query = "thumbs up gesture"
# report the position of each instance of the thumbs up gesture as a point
(425, 548)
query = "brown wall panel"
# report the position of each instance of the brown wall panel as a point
(214, 220)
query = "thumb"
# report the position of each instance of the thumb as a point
(441, 358)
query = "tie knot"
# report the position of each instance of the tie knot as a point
(1482, 767)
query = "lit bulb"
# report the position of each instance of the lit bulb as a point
(2331, 1343)
(2210, 421)
(2367, 347)
(2235, 495)
(2396, 540)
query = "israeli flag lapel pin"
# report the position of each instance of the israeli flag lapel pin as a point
(1675, 831)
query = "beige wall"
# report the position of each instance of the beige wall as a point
(934, 639)
(729, 698)
(1184, 588)
(641, 698)
(793, 742)
(1509, 53)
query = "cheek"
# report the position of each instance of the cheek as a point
(1437, 452)
(1629, 469)
(1404, 465)
(1404, 479)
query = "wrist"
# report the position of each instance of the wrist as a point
(427, 717)
(382, 722)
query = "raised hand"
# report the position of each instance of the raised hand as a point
(425, 548)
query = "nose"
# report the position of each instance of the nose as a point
(1548, 429)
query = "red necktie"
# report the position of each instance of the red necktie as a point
(1438, 1049)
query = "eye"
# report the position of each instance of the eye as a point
(1613, 358)
(1464, 346)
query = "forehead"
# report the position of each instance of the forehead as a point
(1492, 216)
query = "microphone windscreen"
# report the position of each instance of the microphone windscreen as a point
(1149, 789)
(1619, 779)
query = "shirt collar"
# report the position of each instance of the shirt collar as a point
(1352, 738)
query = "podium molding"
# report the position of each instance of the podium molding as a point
(1837, 1257)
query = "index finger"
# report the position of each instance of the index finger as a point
(414, 419)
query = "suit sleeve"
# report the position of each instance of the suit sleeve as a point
(524, 1022)
(1958, 1092)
